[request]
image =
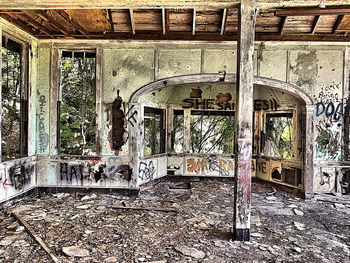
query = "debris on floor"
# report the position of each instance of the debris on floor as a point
(87, 228)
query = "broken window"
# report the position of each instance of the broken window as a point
(278, 137)
(212, 132)
(177, 134)
(77, 111)
(154, 124)
(14, 120)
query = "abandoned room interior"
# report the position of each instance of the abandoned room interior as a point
(110, 97)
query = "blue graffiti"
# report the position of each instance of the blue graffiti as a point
(335, 111)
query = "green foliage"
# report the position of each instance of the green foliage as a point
(212, 134)
(77, 109)
(279, 131)
(11, 104)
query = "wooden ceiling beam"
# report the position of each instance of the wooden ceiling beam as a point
(223, 21)
(163, 21)
(27, 19)
(110, 19)
(194, 22)
(71, 21)
(156, 4)
(55, 24)
(337, 24)
(18, 23)
(132, 21)
(213, 37)
(312, 11)
(282, 25)
(315, 24)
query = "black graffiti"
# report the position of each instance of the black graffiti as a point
(335, 111)
(70, 172)
(131, 116)
(226, 105)
(265, 104)
(146, 171)
(118, 171)
(21, 175)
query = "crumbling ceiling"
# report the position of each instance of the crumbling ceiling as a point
(296, 23)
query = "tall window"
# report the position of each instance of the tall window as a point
(14, 104)
(212, 132)
(77, 133)
(278, 138)
(177, 134)
(154, 126)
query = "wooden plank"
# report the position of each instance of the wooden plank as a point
(132, 21)
(187, 36)
(223, 22)
(71, 21)
(24, 17)
(194, 22)
(110, 19)
(337, 23)
(312, 11)
(163, 21)
(315, 24)
(37, 238)
(18, 24)
(120, 4)
(55, 24)
(282, 26)
(244, 121)
(167, 20)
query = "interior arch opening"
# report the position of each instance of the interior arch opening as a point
(191, 127)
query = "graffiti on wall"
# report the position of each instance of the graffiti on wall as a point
(328, 140)
(43, 135)
(330, 109)
(20, 175)
(146, 171)
(224, 167)
(95, 171)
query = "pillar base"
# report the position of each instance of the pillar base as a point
(241, 234)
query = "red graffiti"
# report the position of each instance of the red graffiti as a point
(4, 184)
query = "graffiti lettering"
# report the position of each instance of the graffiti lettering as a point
(226, 166)
(334, 111)
(20, 175)
(43, 135)
(146, 171)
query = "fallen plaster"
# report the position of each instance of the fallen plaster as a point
(284, 228)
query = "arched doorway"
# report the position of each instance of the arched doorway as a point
(159, 163)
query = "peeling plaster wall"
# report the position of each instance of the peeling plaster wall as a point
(18, 176)
(127, 66)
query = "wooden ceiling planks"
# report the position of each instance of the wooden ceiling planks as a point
(92, 21)
(162, 23)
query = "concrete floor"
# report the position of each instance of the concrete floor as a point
(284, 228)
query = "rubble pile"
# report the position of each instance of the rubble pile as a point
(193, 223)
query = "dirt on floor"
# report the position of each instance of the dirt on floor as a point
(195, 226)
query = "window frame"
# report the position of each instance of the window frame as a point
(282, 110)
(24, 94)
(56, 96)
